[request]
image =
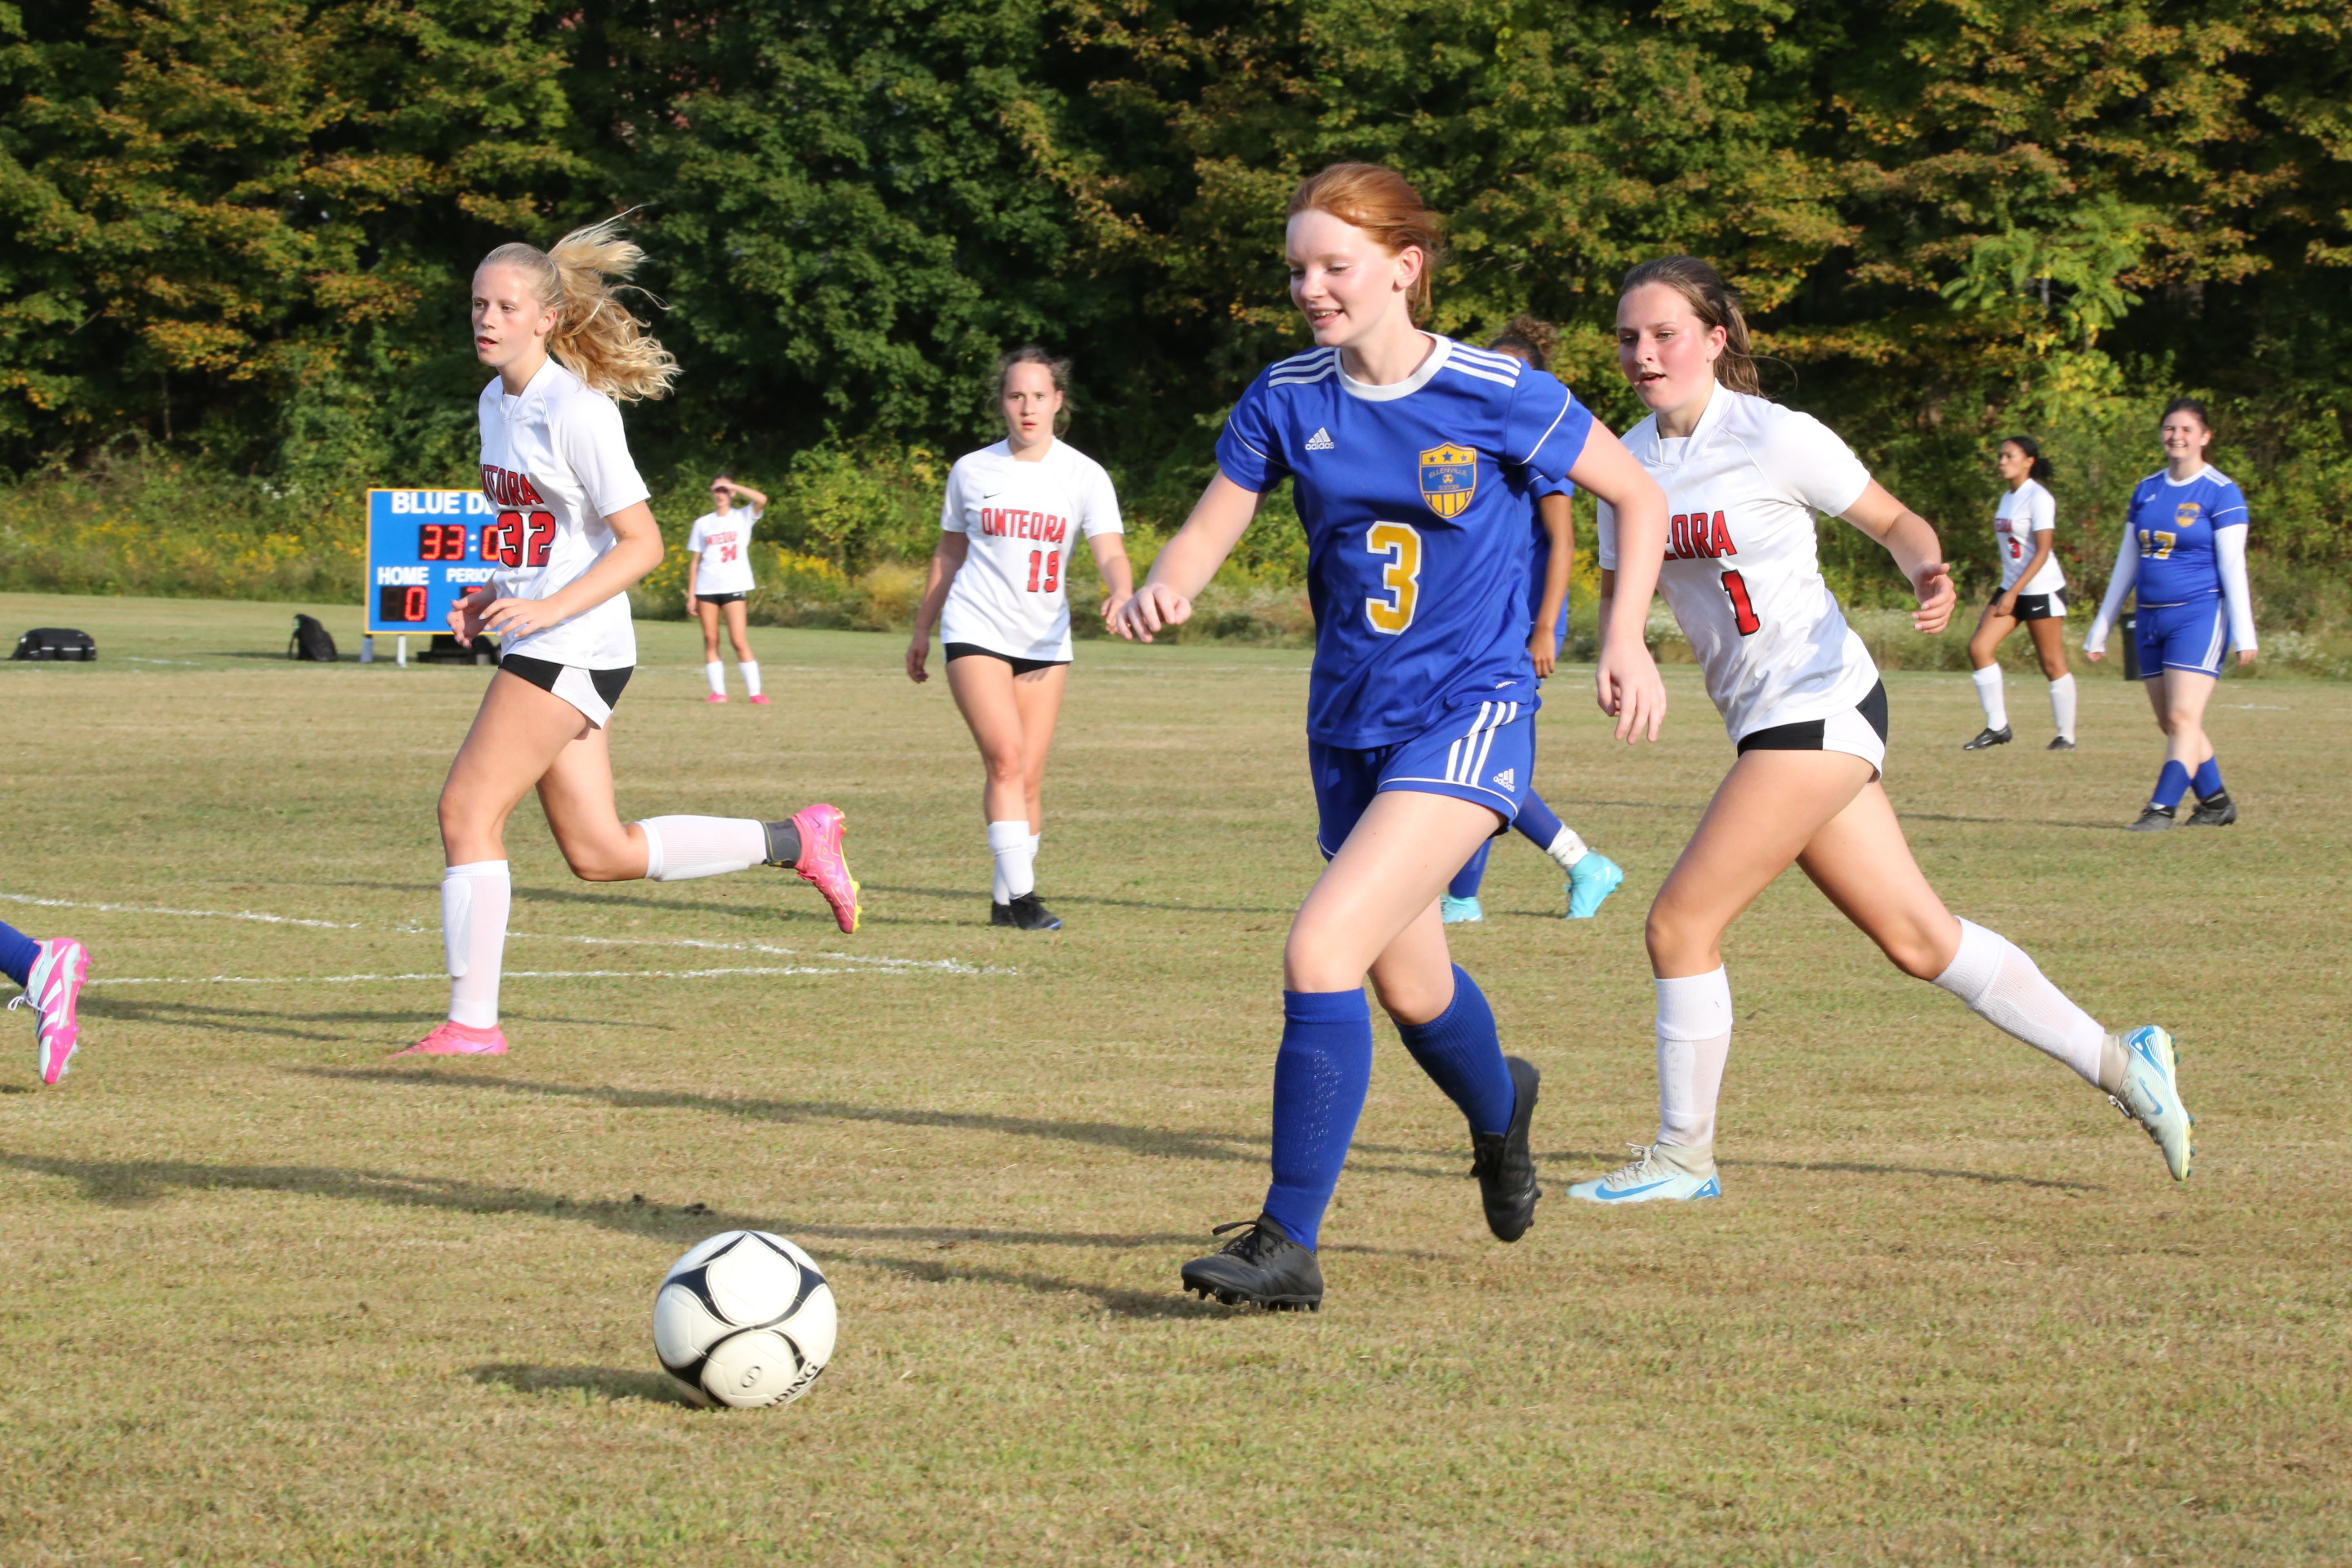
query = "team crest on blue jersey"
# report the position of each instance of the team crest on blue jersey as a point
(2185, 514)
(1449, 478)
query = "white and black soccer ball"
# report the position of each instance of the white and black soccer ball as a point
(744, 1318)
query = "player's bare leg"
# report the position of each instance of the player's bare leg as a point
(707, 614)
(1984, 659)
(738, 635)
(2049, 635)
(1374, 912)
(1011, 718)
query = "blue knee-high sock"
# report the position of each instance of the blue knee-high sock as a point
(2171, 786)
(2208, 781)
(1319, 1079)
(1538, 821)
(1459, 1051)
(1474, 872)
(17, 955)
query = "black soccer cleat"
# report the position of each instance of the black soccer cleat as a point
(1025, 913)
(2214, 811)
(2154, 819)
(1989, 736)
(1502, 1164)
(1261, 1267)
(999, 914)
(2060, 745)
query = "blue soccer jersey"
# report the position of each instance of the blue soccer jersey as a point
(1539, 556)
(1415, 499)
(2175, 524)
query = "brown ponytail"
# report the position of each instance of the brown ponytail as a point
(1713, 302)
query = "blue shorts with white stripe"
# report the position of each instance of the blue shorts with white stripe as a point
(1484, 754)
(2183, 636)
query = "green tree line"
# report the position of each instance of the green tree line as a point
(238, 231)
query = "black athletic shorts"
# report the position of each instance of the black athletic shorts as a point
(956, 650)
(735, 599)
(1810, 734)
(544, 673)
(2049, 607)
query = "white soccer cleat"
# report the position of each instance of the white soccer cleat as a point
(2151, 1097)
(1651, 1178)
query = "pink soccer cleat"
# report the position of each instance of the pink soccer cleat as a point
(53, 989)
(716, 697)
(822, 864)
(760, 697)
(455, 1040)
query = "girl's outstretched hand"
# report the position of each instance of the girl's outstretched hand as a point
(466, 614)
(1936, 598)
(1627, 685)
(1153, 609)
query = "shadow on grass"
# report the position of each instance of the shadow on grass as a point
(1061, 897)
(1864, 1168)
(609, 1382)
(1116, 1300)
(272, 1021)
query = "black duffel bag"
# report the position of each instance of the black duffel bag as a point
(56, 642)
(312, 641)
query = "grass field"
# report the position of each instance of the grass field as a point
(271, 1298)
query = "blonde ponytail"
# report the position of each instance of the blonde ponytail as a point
(596, 337)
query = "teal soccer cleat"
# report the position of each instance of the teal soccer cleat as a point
(1456, 911)
(1590, 881)
(1651, 1178)
(2151, 1097)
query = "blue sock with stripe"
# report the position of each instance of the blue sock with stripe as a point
(1467, 880)
(1462, 1055)
(1536, 821)
(2208, 780)
(2171, 786)
(1319, 1078)
(18, 952)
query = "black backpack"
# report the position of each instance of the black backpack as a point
(55, 642)
(310, 641)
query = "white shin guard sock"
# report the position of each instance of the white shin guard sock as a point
(1566, 848)
(1991, 695)
(1015, 855)
(750, 670)
(680, 848)
(716, 673)
(1694, 1043)
(2002, 986)
(474, 898)
(2061, 705)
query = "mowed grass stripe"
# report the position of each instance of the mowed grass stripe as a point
(274, 1300)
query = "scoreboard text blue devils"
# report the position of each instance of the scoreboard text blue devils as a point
(425, 548)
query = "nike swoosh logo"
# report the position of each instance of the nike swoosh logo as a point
(1605, 1196)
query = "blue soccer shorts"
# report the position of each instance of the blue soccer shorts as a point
(1486, 755)
(2182, 636)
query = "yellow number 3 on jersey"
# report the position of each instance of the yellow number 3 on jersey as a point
(1401, 543)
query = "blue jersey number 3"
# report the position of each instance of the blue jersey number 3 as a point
(1391, 612)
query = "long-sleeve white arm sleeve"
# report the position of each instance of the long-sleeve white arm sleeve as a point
(2229, 555)
(2127, 573)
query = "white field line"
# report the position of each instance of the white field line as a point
(509, 974)
(836, 962)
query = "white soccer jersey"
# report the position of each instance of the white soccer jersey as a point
(2024, 512)
(724, 544)
(1741, 572)
(556, 464)
(1021, 520)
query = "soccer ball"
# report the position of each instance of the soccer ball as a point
(744, 1318)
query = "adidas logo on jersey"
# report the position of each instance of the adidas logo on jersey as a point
(1508, 779)
(1320, 441)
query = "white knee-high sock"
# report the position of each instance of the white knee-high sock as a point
(2001, 985)
(750, 670)
(716, 673)
(1694, 1043)
(1015, 855)
(1989, 693)
(1566, 848)
(474, 898)
(680, 848)
(2061, 704)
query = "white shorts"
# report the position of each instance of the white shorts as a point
(1860, 730)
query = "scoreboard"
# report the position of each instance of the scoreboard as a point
(425, 549)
